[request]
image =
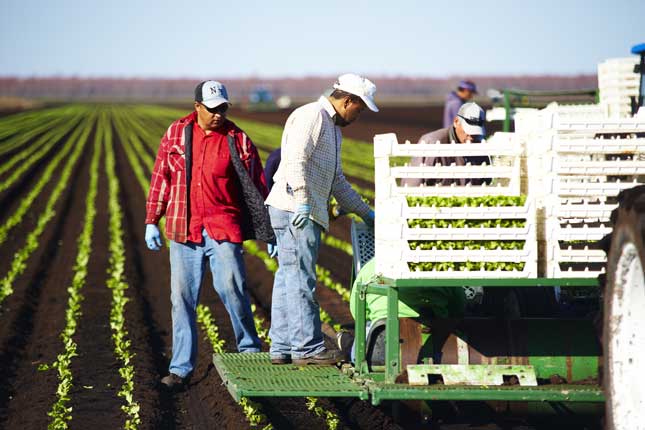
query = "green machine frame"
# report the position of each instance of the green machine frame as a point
(384, 386)
(252, 375)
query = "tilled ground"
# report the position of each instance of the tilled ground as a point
(33, 317)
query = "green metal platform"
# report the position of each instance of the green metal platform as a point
(253, 375)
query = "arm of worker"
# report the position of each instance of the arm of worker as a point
(349, 199)
(301, 136)
(158, 195)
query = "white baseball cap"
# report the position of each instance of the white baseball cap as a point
(211, 94)
(472, 117)
(359, 86)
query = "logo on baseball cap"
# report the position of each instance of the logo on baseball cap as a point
(211, 94)
(359, 86)
(472, 117)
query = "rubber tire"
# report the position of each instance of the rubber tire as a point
(626, 244)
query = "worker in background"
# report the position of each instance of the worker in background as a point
(310, 173)
(467, 126)
(209, 183)
(272, 166)
(465, 92)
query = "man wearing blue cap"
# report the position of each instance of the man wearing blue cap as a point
(465, 92)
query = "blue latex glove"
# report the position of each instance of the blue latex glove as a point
(369, 219)
(272, 249)
(153, 237)
(302, 216)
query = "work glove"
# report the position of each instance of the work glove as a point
(273, 250)
(153, 237)
(369, 219)
(302, 216)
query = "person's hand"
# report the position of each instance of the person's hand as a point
(153, 237)
(369, 219)
(302, 216)
(272, 250)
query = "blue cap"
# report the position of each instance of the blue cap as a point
(468, 85)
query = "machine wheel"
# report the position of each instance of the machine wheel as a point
(624, 315)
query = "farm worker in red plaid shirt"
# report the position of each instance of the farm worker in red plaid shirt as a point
(310, 173)
(209, 183)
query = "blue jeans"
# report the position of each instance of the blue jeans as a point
(187, 264)
(295, 315)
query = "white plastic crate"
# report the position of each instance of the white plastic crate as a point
(564, 260)
(617, 83)
(393, 234)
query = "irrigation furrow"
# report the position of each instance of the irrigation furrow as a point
(18, 264)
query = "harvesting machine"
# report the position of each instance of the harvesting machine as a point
(568, 233)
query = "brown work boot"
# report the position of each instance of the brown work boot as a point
(326, 357)
(173, 382)
(280, 359)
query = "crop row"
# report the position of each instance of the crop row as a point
(60, 413)
(117, 284)
(18, 264)
(252, 410)
(22, 130)
(47, 174)
(34, 153)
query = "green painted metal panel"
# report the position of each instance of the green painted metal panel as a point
(576, 342)
(551, 393)
(253, 375)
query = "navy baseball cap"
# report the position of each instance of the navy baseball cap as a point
(211, 94)
(468, 85)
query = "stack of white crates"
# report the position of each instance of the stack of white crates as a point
(577, 165)
(394, 256)
(618, 83)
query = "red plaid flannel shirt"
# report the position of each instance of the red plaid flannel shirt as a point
(168, 194)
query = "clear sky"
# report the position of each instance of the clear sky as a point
(236, 38)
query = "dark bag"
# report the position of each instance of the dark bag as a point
(257, 224)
